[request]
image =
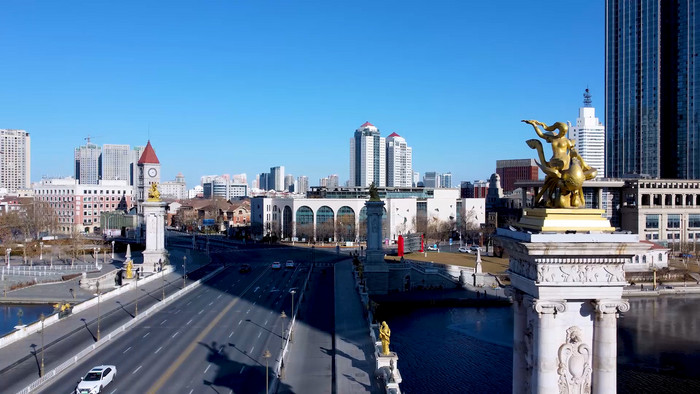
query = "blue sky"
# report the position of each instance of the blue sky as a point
(241, 86)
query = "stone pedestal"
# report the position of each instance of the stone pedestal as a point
(376, 270)
(154, 219)
(389, 365)
(567, 291)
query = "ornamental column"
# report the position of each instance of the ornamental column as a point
(548, 342)
(605, 344)
(519, 346)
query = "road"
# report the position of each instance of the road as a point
(212, 339)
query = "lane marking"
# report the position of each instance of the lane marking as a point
(218, 296)
(231, 334)
(200, 312)
(195, 343)
(211, 303)
(136, 370)
(158, 350)
(251, 349)
(191, 391)
(205, 371)
(260, 333)
(248, 311)
(146, 335)
(239, 322)
(174, 335)
(188, 323)
(242, 368)
(161, 323)
(189, 302)
(266, 322)
(127, 349)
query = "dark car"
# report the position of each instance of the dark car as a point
(245, 268)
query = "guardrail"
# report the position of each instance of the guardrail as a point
(44, 270)
(155, 308)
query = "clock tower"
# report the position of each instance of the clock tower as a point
(148, 173)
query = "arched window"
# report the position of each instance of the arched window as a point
(305, 223)
(325, 228)
(346, 224)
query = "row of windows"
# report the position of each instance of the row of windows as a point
(672, 221)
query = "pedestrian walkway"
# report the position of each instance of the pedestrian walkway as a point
(354, 350)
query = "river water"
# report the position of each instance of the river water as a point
(469, 350)
(30, 313)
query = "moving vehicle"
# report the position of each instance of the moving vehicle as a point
(289, 264)
(474, 248)
(96, 379)
(463, 249)
(245, 268)
(276, 265)
(432, 248)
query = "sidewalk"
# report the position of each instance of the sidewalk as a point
(14, 352)
(354, 350)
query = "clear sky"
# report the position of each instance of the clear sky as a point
(241, 86)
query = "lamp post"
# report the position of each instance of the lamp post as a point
(136, 311)
(162, 275)
(41, 251)
(98, 310)
(7, 256)
(184, 270)
(112, 250)
(291, 326)
(266, 356)
(41, 372)
(284, 324)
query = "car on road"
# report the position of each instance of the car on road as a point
(96, 379)
(463, 249)
(289, 264)
(245, 268)
(432, 248)
(276, 265)
(474, 248)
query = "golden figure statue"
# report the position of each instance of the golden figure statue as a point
(384, 334)
(565, 171)
(153, 193)
(129, 269)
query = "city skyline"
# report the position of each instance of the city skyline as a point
(446, 77)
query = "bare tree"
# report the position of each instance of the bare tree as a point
(325, 230)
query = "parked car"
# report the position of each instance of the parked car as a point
(245, 268)
(474, 248)
(463, 249)
(96, 379)
(289, 264)
(432, 248)
(276, 265)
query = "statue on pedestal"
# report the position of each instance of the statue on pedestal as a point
(384, 334)
(373, 193)
(153, 193)
(129, 269)
(565, 171)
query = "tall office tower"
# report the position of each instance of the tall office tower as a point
(589, 136)
(87, 163)
(399, 165)
(445, 180)
(276, 179)
(264, 181)
(430, 179)
(116, 162)
(367, 157)
(133, 167)
(303, 184)
(652, 89)
(510, 171)
(240, 178)
(15, 155)
(288, 181)
(333, 181)
(416, 178)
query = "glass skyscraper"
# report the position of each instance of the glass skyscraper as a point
(651, 82)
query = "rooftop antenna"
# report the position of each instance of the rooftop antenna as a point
(587, 102)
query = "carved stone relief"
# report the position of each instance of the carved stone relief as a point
(574, 364)
(580, 273)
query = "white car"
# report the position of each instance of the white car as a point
(276, 265)
(432, 248)
(96, 379)
(463, 249)
(289, 264)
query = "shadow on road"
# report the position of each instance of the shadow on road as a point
(94, 338)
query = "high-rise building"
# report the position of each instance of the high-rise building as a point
(367, 157)
(215, 186)
(430, 179)
(133, 167)
(288, 182)
(264, 181)
(14, 159)
(116, 162)
(176, 189)
(87, 163)
(510, 171)
(652, 89)
(445, 180)
(399, 164)
(589, 136)
(416, 178)
(303, 184)
(276, 179)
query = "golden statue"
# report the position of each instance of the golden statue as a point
(565, 171)
(153, 193)
(129, 269)
(384, 334)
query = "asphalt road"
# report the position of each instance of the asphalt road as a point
(212, 339)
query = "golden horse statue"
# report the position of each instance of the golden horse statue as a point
(565, 171)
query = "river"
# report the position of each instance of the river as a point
(469, 350)
(30, 313)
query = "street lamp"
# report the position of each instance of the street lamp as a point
(136, 312)
(41, 372)
(284, 325)
(98, 310)
(7, 256)
(291, 327)
(162, 275)
(184, 270)
(41, 251)
(112, 250)
(266, 356)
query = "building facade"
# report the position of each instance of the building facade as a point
(431, 179)
(399, 162)
(223, 187)
(176, 189)
(87, 163)
(652, 89)
(589, 136)
(116, 162)
(445, 180)
(367, 157)
(511, 171)
(148, 173)
(276, 179)
(15, 160)
(302, 184)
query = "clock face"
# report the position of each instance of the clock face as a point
(152, 172)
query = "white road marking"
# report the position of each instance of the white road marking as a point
(218, 296)
(189, 302)
(113, 391)
(247, 312)
(254, 302)
(205, 371)
(136, 370)
(174, 335)
(188, 323)
(265, 323)
(211, 303)
(239, 322)
(191, 391)
(251, 349)
(161, 323)
(158, 350)
(146, 334)
(260, 333)
(200, 312)
(256, 289)
(127, 349)
(231, 334)
(242, 368)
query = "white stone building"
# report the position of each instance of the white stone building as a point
(87, 163)
(589, 135)
(176, 189)
(399, 162)
(15, 160)
(367, 157)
